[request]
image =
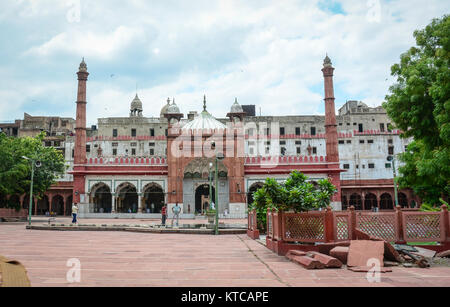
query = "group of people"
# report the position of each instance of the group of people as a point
(176, 210)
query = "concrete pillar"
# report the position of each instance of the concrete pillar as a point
(113, 208)
(139, 202)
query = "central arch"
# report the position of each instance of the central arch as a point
(202, 199)
(153, 198)
(58, 205)
(127, 198)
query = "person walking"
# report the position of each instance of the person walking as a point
(176, 213)
(164, 214)
(74, 213)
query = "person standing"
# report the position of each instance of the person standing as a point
(164, 214)
(74, 213)
(176, 213)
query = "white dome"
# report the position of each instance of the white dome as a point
(204, 121)
(236, 107)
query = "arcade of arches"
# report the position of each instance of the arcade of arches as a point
(383, 200)
(50, 203)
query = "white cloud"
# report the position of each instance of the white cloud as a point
(267, 53)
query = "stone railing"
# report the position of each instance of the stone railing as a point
(284, 160)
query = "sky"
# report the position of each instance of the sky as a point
(266, 53)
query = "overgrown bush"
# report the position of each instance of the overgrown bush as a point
(296, 194)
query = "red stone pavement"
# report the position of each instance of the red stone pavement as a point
(144, 259)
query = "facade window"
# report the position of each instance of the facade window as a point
(283, 151)
(388, 165)
(346, 166)
(348, 124)
(250, 132)
(268, 143)
(390, 141)
(282, 131)
(152, 132)
(360, 128)
(313, 130)
(391, 150)
(133, 132)
(251, 151)
(267, 150)
(152, 152)
(114, 151)
(114, 133)
(73, 153)
(297, 131)
(371, 165)
(115, 144)
(167, 132)
(151, 144)
(88, 148)
(299, 151)
(341, 142)
(48, 144)
(349, 142)
(314, 150)
(340, 124)
(369, 141)
(382, 127)
(133, 144)
(133, 151)
(298, 142)
(267, 131)
(361, 141)
(282, 142)
(406, 147)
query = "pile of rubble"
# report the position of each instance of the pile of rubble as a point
(363, 254)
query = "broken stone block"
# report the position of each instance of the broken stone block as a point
(327, 247)
(308, 262)
(340, 253)
(361, 251)
(328, 261)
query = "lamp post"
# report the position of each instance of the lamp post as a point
(33, 164)
(210, 184)
(219, 156)
(392, 159)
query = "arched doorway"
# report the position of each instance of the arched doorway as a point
(386, 202)
(69, 202)
(344, 202)
(127, 198)
(356, 201)
(402, 200)
(26, 203)
(102, 198)
(14, 201)
(58, 205)
(202, 198)
(43, 205)
(153, 198)
(253, 188)
(370, 201)
(3, 201)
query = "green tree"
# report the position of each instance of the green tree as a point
(296, 194)
(419, 105)
(15, 171)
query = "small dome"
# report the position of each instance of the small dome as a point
(236, 107)
(173, 109)
(136, 104)
(164, 109)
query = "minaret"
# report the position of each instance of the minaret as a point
(330, 114)
(80, 130)
(80, 136)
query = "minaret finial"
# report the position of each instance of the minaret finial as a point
(168, 100)
(83, 66)
(327, 61)
(204, 103)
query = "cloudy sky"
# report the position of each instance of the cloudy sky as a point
(267, 53)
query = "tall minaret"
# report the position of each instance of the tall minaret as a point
(330, 114)
(80, 136)
(80, 140)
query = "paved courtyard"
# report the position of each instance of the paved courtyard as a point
(140, 259)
